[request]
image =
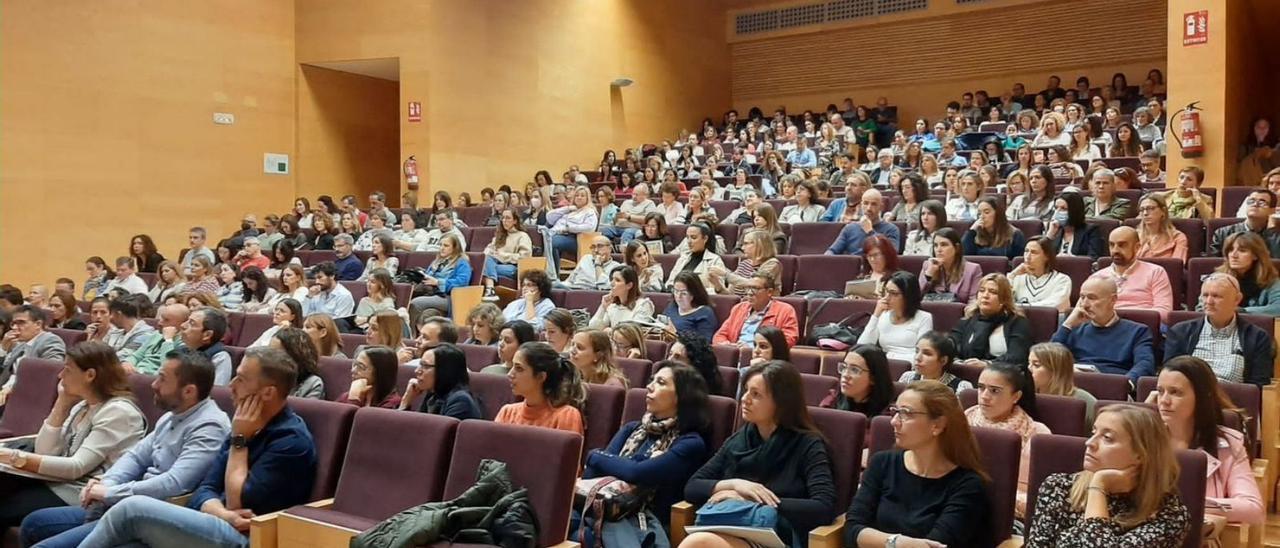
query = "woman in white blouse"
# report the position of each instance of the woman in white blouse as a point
(1035, 282)
(898, 322)
(697, 256)
(286, 313)
(623, 302)
(569, 221)
(636, 255)
(383, 257)
(932, 217)
(964, 205)
(805, 210)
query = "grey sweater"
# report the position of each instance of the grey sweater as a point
(89, 442)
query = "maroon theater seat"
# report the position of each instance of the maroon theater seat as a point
(726, 355)
(479, 238)
(1103, 386)
(945, 315)
(990, 265)
(253, 326)
(417, 259)
(844, 432)
(549, 478)
(34, 391)
(236, 353)
(603, 415)
(588, 299)
(330, 426)
(144, 396)
(813, 238)
(70, 337)
(655, 350)
(635, 370)
(352, 341)
(807, 360)
(479, 357)
(826, 272)
(816, 388)
(1044, 322)
(494, 391)
(336, 374)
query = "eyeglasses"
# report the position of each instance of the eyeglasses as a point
(1147, 209)
(680, 292)
(850, 370)
(599, 246)
(1257, 202)
(903, 413)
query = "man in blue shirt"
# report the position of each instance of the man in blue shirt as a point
(348, 264)
(327, 296)
(802, 156)
(269, 464)
(169, 462)
(1096, 335)
(850, 240)
(855, 183)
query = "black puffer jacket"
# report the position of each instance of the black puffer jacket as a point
(493, 511)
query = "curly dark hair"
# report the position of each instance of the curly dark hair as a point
(698, 350)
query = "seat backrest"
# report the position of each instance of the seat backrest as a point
(350, 342)
(854, 313)
(1043, 320)
(1054, 454)
(1062, 414)
(236, 353)
(844, 432)
(549, 478)
(990, 265)
(816, 388)
(1197, 269)
(724, 415)
(636, 371)
(34, 391)
(945, 315)
(253, 327)
(966, 371)
(807, 360)
(70, 337)
(336, 374)
(376, 483)
(826, 272)
(726, 355)
(1103, 386)
(588, 299)
(603, 416)
(1194, 230)
(330, 426)
(235, 320)
(144, 396)
(480, 237)
(801, 307)
(729, 381)
(813, 238)
(494, 392)
(655, 350)
(479, 357)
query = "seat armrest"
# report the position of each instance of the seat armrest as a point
(262, 529)
(828, 536)
(181, 500)
(682, 515)
(565, 544)
(6, 441)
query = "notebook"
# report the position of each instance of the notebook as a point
(861, 289)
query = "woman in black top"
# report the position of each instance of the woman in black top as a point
(443, 377)
(145, 256)
(655, 230)
(993, 327)
(323, 226)
(865, 384)
(1069, 232)
(779, 459)
(933, 487)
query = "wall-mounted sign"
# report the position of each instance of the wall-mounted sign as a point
(415, 111)
(1195, 28)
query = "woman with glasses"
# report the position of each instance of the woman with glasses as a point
(442, 377)
(931, 487)
(535, 300)
(690, 309)
(865, 384)
(373, 379)
(1156, 233)
(897, 322)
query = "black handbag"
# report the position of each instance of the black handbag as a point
(838, 331)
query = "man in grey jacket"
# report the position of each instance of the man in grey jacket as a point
(27, 338)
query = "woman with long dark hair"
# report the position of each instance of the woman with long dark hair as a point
(373, 379)
(442, 376)
(1007, 400)
(897, 322)
(552, 390)
(298, 345)
(865, 385)
(143, 250)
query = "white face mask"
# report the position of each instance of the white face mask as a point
(535, 202)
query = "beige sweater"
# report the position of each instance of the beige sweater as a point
(89, 442)
(519, 246)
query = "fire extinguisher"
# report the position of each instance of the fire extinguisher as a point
(1190, 139)
(411, 172)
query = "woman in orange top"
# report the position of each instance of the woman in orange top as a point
(552, 389)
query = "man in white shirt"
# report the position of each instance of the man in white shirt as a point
(444, 225)
(576, 175)
(378, 208)
(630, 219)
(592, 272)
(126, 277)
(788, 142)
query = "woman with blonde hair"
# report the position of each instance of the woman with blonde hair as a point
(628, 341)
(592, 353)
(385, 328)
(757, 257)
(324, 333)
(1156, 235)
(935, 447)
(1051, 131)
(1053, 370)
(993, 327)
(766, 219)
(1249, 260)
(168, 282)
(1126, 494)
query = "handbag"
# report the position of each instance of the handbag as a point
(607, 499)
(840, 332)
(737, 513)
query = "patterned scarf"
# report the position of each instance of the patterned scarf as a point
(663, 430)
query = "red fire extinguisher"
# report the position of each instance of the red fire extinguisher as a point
(1190, 139)
(411, 172)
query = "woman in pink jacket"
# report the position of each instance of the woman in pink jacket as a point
(1192, 405)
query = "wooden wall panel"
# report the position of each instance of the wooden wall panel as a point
(957, 47)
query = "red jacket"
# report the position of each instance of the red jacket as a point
(778, 314)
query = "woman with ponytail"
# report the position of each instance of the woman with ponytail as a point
(552, 389)
(1007, 400)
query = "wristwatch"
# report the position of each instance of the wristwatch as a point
(239, 441)
(891, 542)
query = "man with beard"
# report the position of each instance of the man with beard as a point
(1140, 284)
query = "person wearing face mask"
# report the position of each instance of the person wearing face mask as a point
(1007, 401)
(1126, 494)
(993, 327)
(1238, 351)
(865, 386)
(1067, 229)
(1192, 405)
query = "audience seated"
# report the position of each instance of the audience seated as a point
(935, 352)
(897, 322)
(269, 444)
(993, 327)
(63, 311)
(1140, 284)
(1007, 400)
(1236, 350)
(1259, 207)
(759, 310)
(1036, 282)
(758, 256)
(168, 462)
(382, 257)
(1104, 203)
(779, 458)
(513, 334)
(373, 379)
(1071, 235)
(648, 269)
(93, 423)
(484, 321)
(1157, 236)
(947, 276)
(591, 352)
(347, 263)
(326, 296)
(1192, 406)
(126, 278)
(450, 269)
(630, 219)
(690, 308)
(855, 184)
(698, 258)
(657, 453)
(1037, 202)
(27, 337)
(628, 342)
(1249, 261)
(1126, 493)
(443, 381)
(770, 344)
(1097, 336)
(691, 349)
(623, 303)
(324, 334)
(991, 233)
(851, 237)
(534, 301)
(1270, 181)
(302, 350)
(963, 206)
(551, 387)
(1053, 369)
(914, 192)
(592, 271)
(379, 298)
(865, 385)
(932, 489)
(230, 292)
(805, 210)
(932, 217)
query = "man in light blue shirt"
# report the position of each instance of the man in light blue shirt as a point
(167, 463)
(327, 296)
(802, 156)
(851, 238)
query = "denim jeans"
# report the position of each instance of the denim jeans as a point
(494, 269)
(62, 527)
(562, 244)
(138, 521)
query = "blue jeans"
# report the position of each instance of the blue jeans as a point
(62, 527)
(613, 232)
(494, 269)
(629, 234)
(563, 243)
(138, 521)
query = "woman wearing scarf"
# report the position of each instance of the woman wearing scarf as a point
(779, 459)
(656, 455)
(993, 328)
(1007, 400)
